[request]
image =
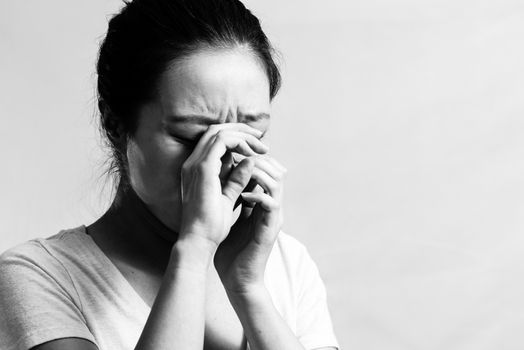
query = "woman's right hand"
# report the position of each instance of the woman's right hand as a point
(207, 200)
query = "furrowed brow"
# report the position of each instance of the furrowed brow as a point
(204, 120)
(196, 119)
(255, 117)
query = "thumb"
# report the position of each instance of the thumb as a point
(238, 179)
(227, 166)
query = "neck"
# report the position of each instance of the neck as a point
(130, 234)
(133, 214)
(130, 231)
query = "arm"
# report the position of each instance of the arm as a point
(178, 314)
(264, 327)
(177, 318)
(241, 260)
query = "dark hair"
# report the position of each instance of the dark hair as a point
(145, 38)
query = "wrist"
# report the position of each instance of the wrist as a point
(250, 301)
(192, 253)
(245, 293)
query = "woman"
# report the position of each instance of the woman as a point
(190, 253)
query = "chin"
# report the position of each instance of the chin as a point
(168, 210)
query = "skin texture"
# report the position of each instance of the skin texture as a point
(196, 149)
(224, 88)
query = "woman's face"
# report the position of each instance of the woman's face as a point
(205, 88)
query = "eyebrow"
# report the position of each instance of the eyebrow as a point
(204, 120)
(255, 117)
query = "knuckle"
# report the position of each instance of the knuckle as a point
(275, 205)
(258, 158)
(248, 170)
(213, 128)
(271, 202)
(245, 145)
(250, 161)
(273, 188)
(279, 176)
(252, 139)
(220, 136)
(201, 166)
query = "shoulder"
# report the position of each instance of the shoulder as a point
(25, 255)
(37, 262)
(38, 252)
(289, 245)
(37, 293)
(305, 305)
(292, 251)
(290, 260)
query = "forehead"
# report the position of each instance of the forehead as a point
(215, 83)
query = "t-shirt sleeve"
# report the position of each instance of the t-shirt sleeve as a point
(37, 299)
(314, 326)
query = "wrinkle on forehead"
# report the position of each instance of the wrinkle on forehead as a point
(220, 85)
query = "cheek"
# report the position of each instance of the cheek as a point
(154, 165)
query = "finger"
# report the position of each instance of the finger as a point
(252, 186)
(265, 163)
(245, 144)
(225, 144)
(267, 202)
(238, 179)
(253, 142)
(237, 157)
(242, 127)
(269, 184)
(227, 166)
(276, 164)
(247, 208)
(211, 158)
(262, 163)
(212, 130)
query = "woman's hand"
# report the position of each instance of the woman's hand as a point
(207, 200)
(241, 258)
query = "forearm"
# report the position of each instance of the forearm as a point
(264, 327)
(177, 318)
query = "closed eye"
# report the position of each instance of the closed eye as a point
(185, 141)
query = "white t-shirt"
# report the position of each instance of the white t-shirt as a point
(65, 286)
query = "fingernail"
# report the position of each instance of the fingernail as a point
(247, 195)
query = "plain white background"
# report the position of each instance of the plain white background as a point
(401, 124)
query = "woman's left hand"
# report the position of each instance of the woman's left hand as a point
(241, 258)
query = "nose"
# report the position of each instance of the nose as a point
(231, 117)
